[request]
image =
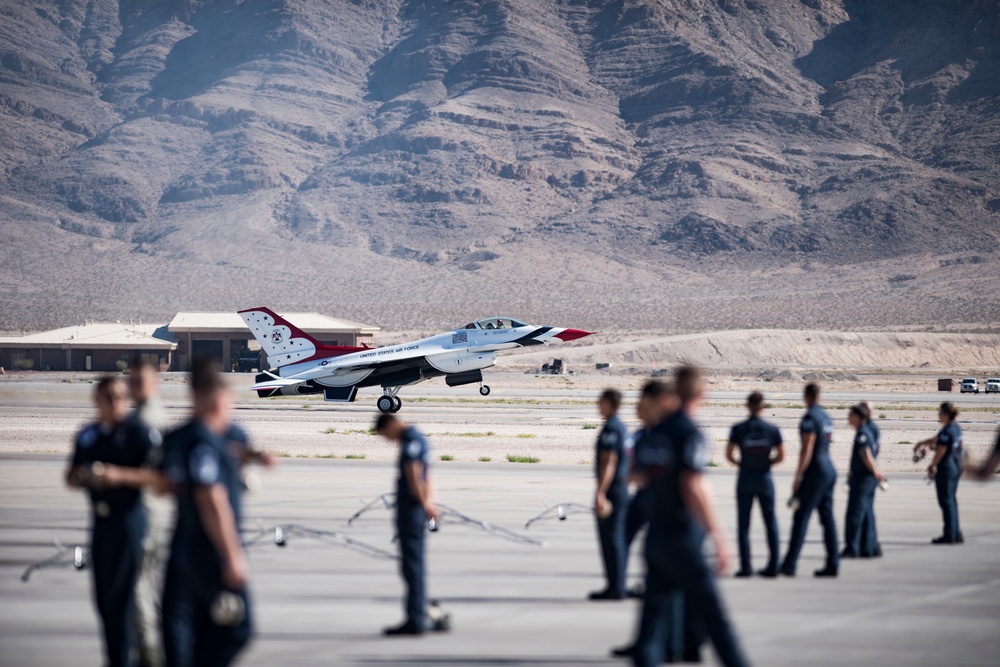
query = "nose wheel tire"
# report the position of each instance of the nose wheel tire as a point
(385, 404)
(397, 403)
(484, 390)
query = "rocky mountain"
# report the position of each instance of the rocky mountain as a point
(659, 164)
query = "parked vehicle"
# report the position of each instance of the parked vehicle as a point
(993, 386)
(969, 386)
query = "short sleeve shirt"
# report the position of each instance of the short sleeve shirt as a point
(675, 447)
(414, 448)
(817, 422)
(755, 438)
(863, 440)
(950, 439)
(613, 439)
(127, 445)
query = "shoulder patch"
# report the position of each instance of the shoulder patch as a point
(863, 438)
(204, 465)
(88, 437)
(413, 449)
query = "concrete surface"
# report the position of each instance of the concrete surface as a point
(515, 604)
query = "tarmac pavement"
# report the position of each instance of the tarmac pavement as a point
(514, 603)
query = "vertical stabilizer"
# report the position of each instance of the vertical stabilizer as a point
(283, 342)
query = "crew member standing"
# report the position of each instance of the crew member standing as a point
(870, 546)
(756, 440)
(414, 506)
(681, 516)
(107, 460)
(611, 498)
(148, 413)
(862, 481)
(945, 469)
(207, 616)
(815, 479)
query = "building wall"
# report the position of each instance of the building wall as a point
(58, 359)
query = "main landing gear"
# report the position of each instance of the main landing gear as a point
(389, 401)
(484, 390)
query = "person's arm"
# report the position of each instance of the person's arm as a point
(990, 465)
(698, 501)
(780, 456)
(730, 450)
(869, 462)
(805, 457)
(607, 463)
(421, 490)
(939, 453)
(219, 522)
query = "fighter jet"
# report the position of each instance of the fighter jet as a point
(302, 365)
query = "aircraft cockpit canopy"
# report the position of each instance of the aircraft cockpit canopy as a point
(491, 323)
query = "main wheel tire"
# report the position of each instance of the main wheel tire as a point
(397, 403)
(484, 390)
(385, 404)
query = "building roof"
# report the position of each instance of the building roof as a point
(96, 335)
(233, 323)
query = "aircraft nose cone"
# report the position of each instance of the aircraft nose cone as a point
(572, 334)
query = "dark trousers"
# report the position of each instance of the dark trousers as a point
(411, 527)
(116, 551)
(946, 483)
(859, 508)
(757, 485)
(190, 636)
(637, 517)
(611, 535)
(677, 565)
(815, 493)
(869, 530)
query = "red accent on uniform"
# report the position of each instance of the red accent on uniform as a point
(572, 334)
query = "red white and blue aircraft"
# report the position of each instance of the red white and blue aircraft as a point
(302, 365)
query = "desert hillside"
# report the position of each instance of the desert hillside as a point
(617, 164)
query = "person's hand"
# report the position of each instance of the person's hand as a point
(432, 510)
(880, 476)
(796, 485)
(235, 572)
(267, 459)
(105, 475)
(722, 555)
(931, 470)
(601, 505)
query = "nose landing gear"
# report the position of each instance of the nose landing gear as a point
(484, 390)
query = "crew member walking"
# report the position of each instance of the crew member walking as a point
(756, 439)
(815, 479)
(681, 516)
(414, 506)
(207, 616)
(945, 469)
(611, 497)
(862, 480)
(107, 460)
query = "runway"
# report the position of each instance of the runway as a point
(515, 604)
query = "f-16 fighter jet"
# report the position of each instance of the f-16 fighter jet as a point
(302, 365)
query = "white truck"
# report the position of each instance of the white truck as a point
(993, 386)
(969, 386)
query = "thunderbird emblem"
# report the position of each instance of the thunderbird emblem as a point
(275, 336)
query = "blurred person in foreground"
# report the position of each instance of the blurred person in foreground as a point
(681, 516)
(414, 507)
(148, 413)
(207, 616)
(109, 460)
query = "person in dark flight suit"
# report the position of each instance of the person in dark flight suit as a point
(945, 470)
(414, 506)
(815, 479)
(989, 467)
(611, 497)
(108, 460)
(207, 614)
(681, 516)
(863, 479)
(756, 439)
(870, 546)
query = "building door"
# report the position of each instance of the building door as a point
(207, 349)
